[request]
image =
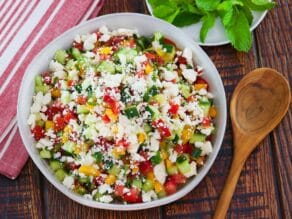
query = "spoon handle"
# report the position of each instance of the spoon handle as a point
(229, 187)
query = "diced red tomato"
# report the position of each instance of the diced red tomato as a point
(105, 118)
(119, 190)
(59, 123)
(73, 166)
(162, 128)
(113, 104)
(38, 132)
(144, 154)
(81, 100)
(191, 98)
(184, 148)
(98, 34)
(70, 83)
(170, 187)
(132, 43)
(145, 167)
(47, 78)
(181, 60)
(154, 58)
(52, 111)
(200, 80)
(206, 121)
(168, 41)
(123, 142)
(133, 196)
(178, 178)
(78, 45)
(98, 180)
(173, 109)
(68, 116)
(115, 40)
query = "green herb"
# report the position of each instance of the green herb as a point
(235, 15)
(156, 159)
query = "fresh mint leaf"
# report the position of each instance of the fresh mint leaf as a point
(186, 18)
(248, 14)
(226, 11)
(155, 3)
(208, 22)
(239, 33)
(259, 5)
(207, 5)
(166, 12)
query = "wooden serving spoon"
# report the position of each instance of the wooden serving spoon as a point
(259, 102)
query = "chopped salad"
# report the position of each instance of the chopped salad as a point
(121, 117)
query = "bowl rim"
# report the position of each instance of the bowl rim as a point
(111, 206)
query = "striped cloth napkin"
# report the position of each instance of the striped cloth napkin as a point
(26, 26)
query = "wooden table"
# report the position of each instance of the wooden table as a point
(264, 188)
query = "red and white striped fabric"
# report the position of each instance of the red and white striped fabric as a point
(26, 26)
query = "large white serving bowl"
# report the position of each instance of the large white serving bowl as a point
(145, 25)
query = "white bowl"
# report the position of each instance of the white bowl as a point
(146, 25)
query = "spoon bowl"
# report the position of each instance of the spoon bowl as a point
(259, 102)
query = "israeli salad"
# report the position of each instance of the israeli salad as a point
(121, 117)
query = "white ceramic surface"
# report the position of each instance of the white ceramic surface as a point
(216, 36)
(146, 25)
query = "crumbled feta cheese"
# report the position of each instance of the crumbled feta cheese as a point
(193, 170)
(105, 188)
(207, 131)
(170, 89)
(160, 172)
(187, 53)
(68, 181)
(139, 60)
(105, 199)
(89, 41)
(156, 45)
(110, 80)
(46, 142)
(206, 147)
(35, 108)
(172, 155)
(154, 144)
(124, 32)
(169, 75)
(31, 120)
(55, 66)
(60, 74)
(203, 92)
(39, 145)
(46, 98)
(147, 196)
(190, 75)
(139, 86)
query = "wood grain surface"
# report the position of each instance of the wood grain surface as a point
(264, 188)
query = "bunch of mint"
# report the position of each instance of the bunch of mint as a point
(236, 16)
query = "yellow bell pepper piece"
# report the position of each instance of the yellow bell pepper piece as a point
(49, 125)
(113, 117)
(168, 163)
(89, 170)
(151, 176)
(105, 50)
(110, 179)
(213, 112)
(200, 86)
(164, 154)
(157, 187)
(141, 137)
(148, 69)
(56, 93)
(187, 133)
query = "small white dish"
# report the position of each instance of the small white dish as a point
(216, 36)
(146, 25)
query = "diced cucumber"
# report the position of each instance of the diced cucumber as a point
(55, 165)
(185, 90)
(182, 163)
(45, 154)
(107, 67)
(128, 52)
(68, 146)
(40, 123)
(38, 80)
(70, 64)
(97, 156)
(75, 53)
(84, 180)
(205, 105)
(159, 98)
(152, 91)
(65, 97)
(97, 196)
(147, 186)
(131, 112)
(197, 137)
(171, 170)
(153, 111)
(114, 170)
(156, 159)
(137, 183)
(82, 109)
(147, 128)
(90, 132)
(196, 153)
(80, 190)
(161, 194)
(60, 56)
(60, 174)
(42, 88)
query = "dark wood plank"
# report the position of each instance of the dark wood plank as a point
(276, 33)
(21, 198)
